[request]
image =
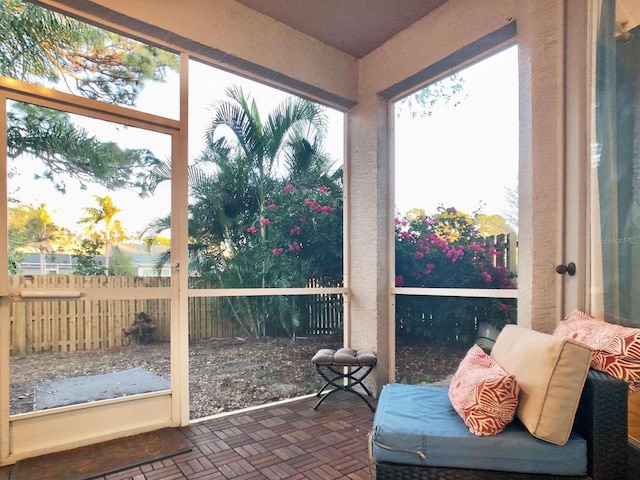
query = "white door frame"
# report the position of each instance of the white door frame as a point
(580, 54)
(37, 433)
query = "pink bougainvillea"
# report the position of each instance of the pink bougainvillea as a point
(301, 238)
(317, 207)
(294, 247)
(446, 250)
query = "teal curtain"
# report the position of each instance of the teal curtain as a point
(606, 161)
(618, 167)
(628, 150)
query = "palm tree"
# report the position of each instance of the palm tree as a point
(42, 232)
(105, 213)
(243, 160)
(260, 148)
(246, 159)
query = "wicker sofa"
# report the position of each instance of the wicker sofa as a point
(600, 419)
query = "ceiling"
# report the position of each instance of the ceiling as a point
(356, 27)
(628, 14)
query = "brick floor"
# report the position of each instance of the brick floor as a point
(284, 441)
(328, 444)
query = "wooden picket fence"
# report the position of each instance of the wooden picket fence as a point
(507, 245)
(70, 325)
(67, 325)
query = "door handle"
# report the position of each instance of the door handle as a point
(569, 269)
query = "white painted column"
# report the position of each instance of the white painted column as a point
(367, 177)
(542, 150)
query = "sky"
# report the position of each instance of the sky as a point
(462, 156)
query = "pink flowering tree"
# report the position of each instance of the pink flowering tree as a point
(446, 250)
(299, 237)
(295, 241)
(265, 211)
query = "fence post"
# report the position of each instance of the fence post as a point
(489, 242)
(501, 246)
(20, 328)
(512, 249)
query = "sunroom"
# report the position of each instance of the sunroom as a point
(571, 208)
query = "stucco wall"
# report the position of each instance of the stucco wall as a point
(452, 27)
(541, 64)
(367, 175)
(448, 29)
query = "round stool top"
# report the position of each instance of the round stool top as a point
(345, 357)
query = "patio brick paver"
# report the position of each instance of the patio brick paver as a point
(283, 441)
(223, 450)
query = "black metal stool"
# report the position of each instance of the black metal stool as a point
(340, 367)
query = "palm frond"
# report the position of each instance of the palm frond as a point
(288, 118)
(157, 226)
(243, 119)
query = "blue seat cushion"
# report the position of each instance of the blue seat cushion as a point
(417, 425)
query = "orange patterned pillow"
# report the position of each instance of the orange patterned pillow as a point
(616, 349)
(483, 394)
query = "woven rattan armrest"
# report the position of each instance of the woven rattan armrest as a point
(602, 420)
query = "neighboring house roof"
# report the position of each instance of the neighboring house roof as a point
(141, 254)
(60, 258)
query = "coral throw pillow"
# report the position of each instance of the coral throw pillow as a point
(616, 349)
(483, 394)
